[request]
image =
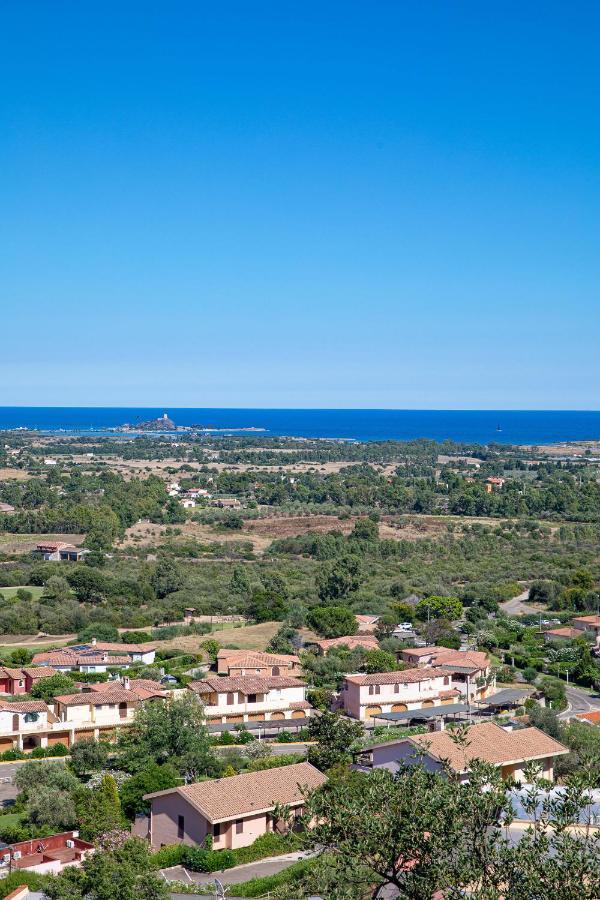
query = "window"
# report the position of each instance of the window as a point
(180, 826)
(396, 688)
(217, 831)
(239, 826)
(230, 699)
(32, 717)
(446, 679)
(371, 690)
(251, 698)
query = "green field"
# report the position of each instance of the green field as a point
(8, 592)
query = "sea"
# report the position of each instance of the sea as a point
(468, 426)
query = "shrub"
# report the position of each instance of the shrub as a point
(33, 880)
(58, 750)
(274, 762)
(199, 859)
(38, 752)
(9, 755)
(268, 844)
(169, 855)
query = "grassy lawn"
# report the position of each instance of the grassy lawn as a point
(11, 591)
(10, 819)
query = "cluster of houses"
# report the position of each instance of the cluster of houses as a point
(260, 688)
(587, 627)
(188, 498)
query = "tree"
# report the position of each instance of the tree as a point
(57, 589)
(102, 631)
(339, 578)
(333, 621)
(435, 607)
(282, 641)
(88, 755)
(90, 585)
(267, 606)
(418, 832)
(166, 578)
(174, 732)
(380, 661)
(152, 778)
(121, 868)
(53, 686)
(98, 809)
(21, 656)
(365, 530)
(47, 791)
(335, 736)
(240, 583)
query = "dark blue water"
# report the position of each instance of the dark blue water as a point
(471, 426)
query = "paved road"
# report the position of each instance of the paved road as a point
(579, 701)
(238, 874)
(517, 606)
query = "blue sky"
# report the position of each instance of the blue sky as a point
(390, 205)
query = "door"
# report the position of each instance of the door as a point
(122, 710)
(372, 711)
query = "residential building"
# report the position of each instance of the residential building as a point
(494, 483)
(559, 635)
(470, 671)
(234, 811)
(252, 698)
(20, 681)
(24, 723)
(195, 493)
(97, 656)
(365, 642)
(366, 696)
(588, 625)
(367, 624)
(51, 550)
(227, 503)
(509, 751)
(187, 503)
(72, 554)
(101, 711)
(97, 711)
(250, 662)
(48, 855)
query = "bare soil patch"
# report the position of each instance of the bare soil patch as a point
(247, 637)
(14, 475)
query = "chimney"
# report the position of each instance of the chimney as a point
(93, 642)
(126, 682)
(105, 656)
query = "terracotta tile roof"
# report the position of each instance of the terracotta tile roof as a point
(490, 743)
(40, 672)
(251, 659)
(123, 648)
(63, 658)
(94, 698)
(423, 651)
(25, 706)
(5, 672)
(143, 687)
(268, 658)
(464, 659)
(350, 641)
(246, 684)
(300, 704)
(592, 716)
(588, 620)
(407, 676)
(566, 632)
(250, 793)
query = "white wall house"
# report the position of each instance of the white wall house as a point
(252, 698)
(365, 696)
